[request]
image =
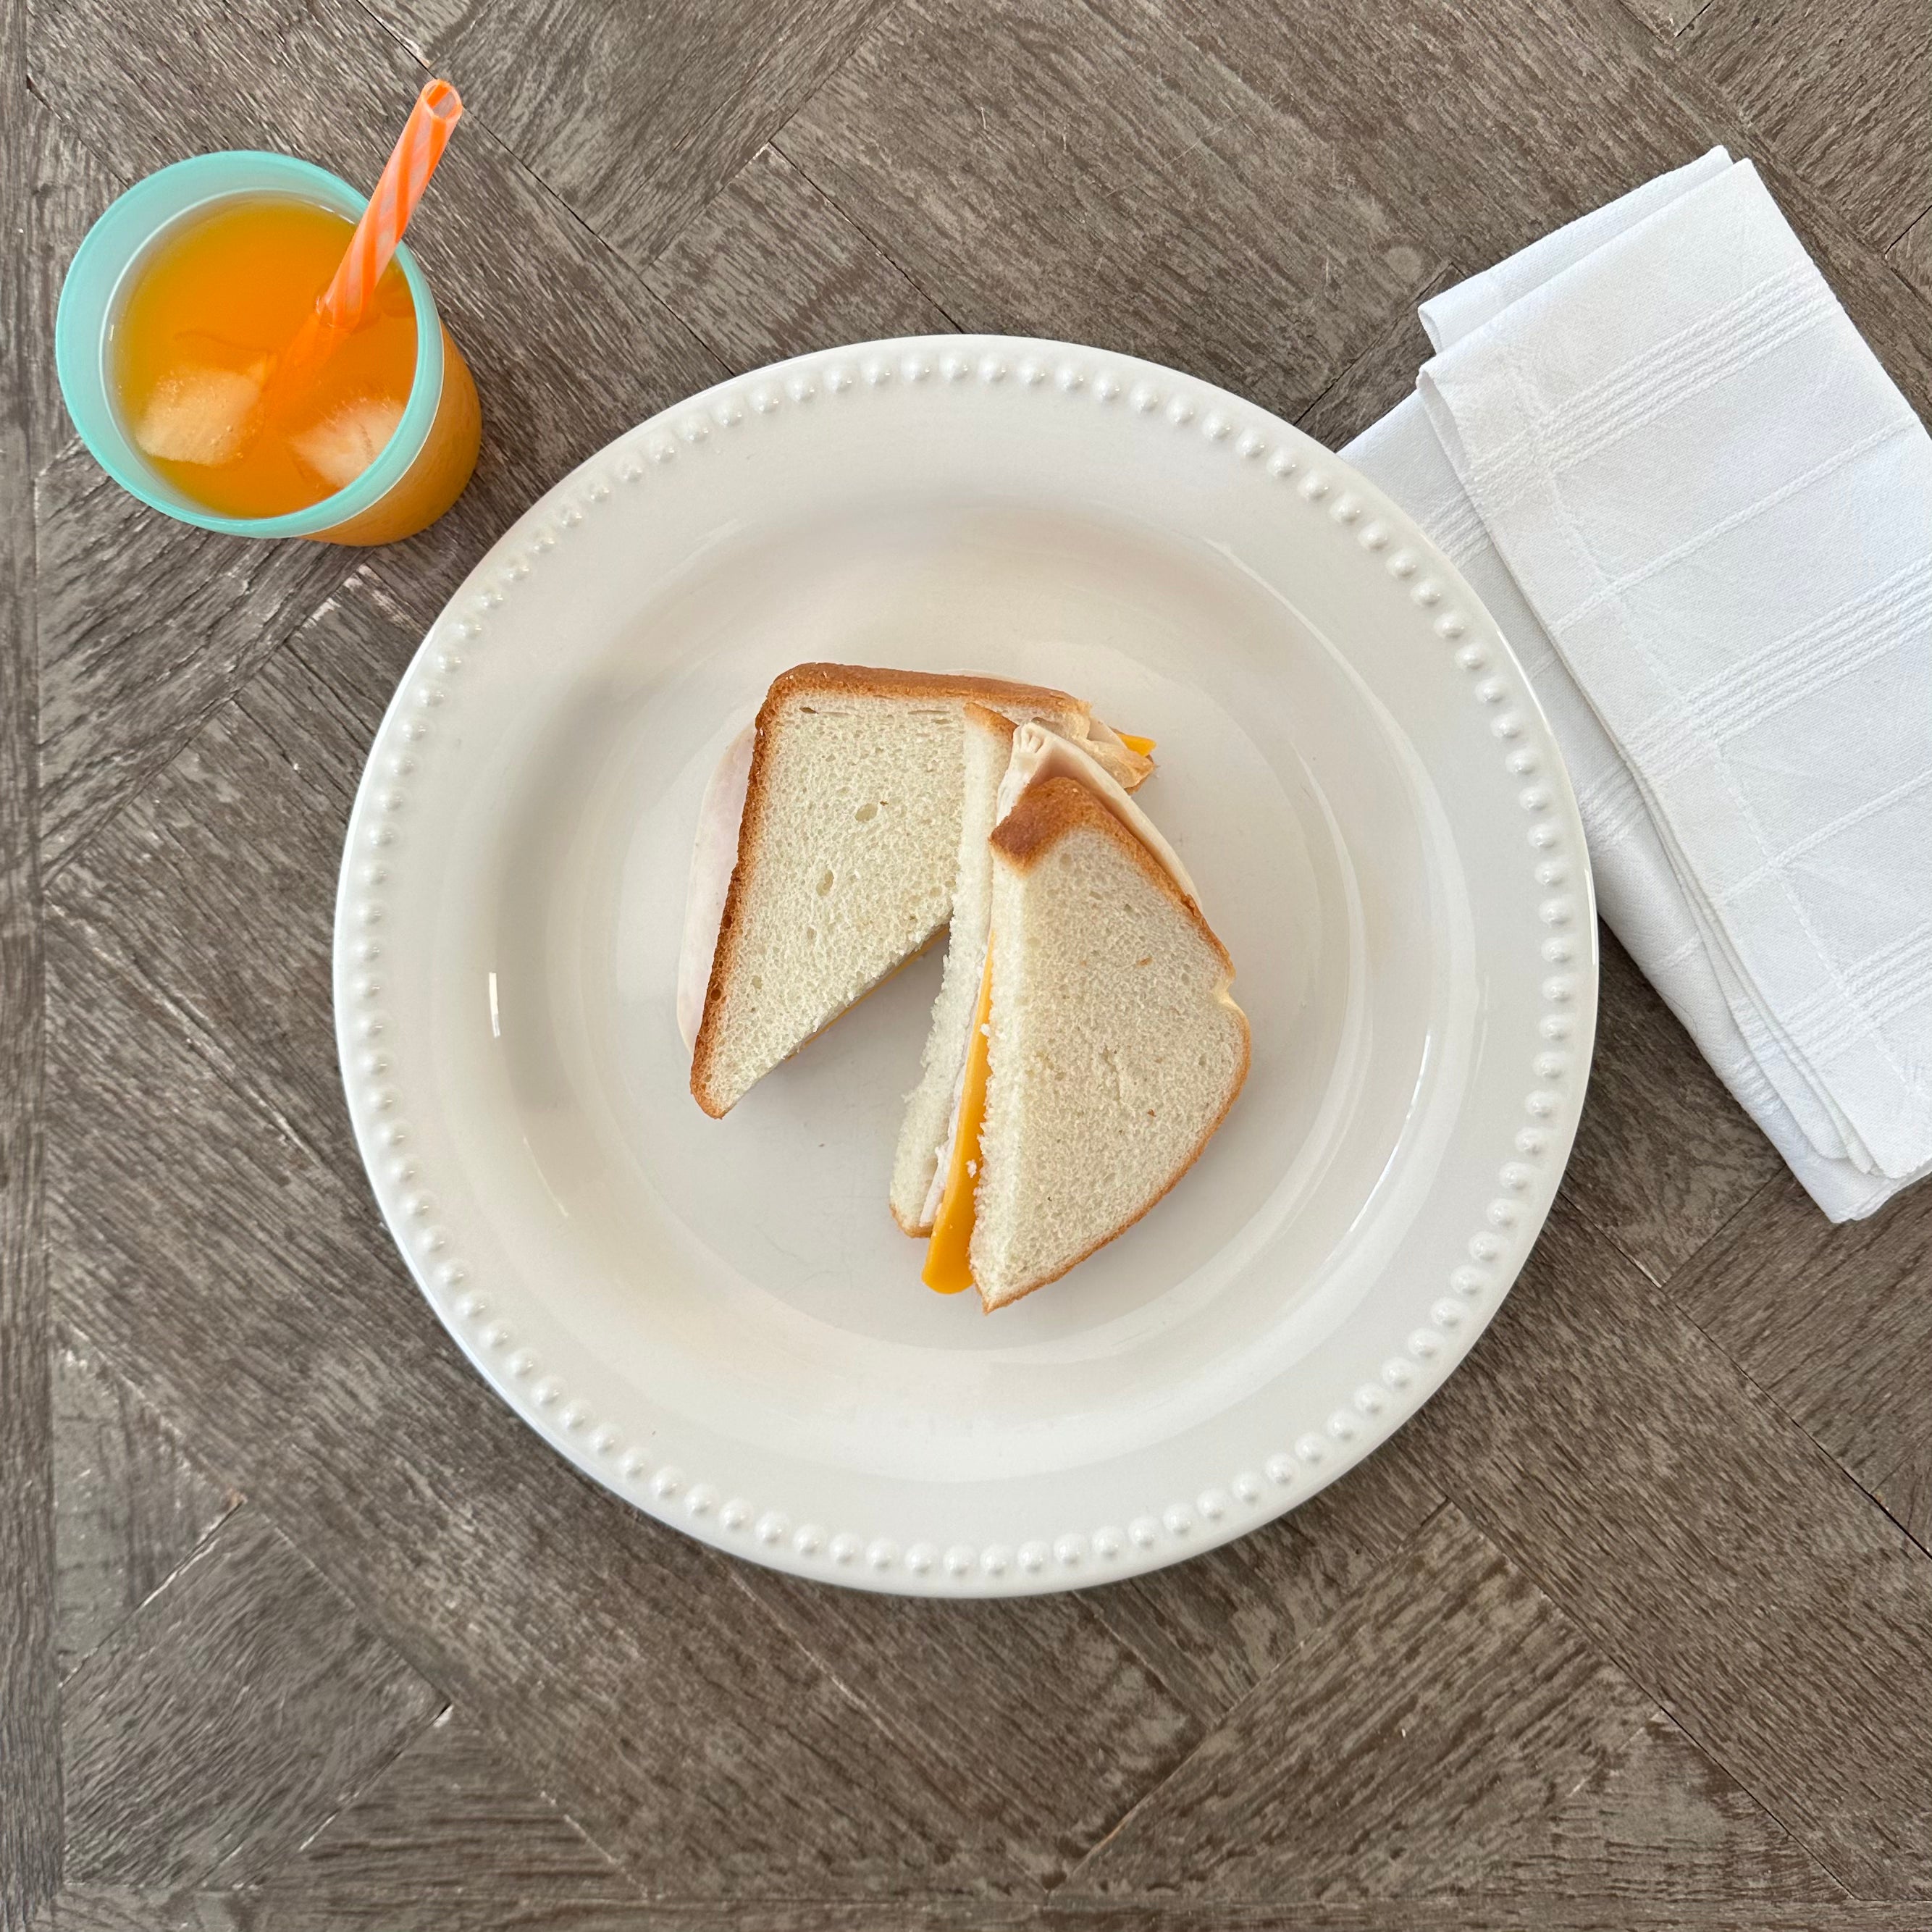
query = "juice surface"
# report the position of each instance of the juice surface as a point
(212, 306)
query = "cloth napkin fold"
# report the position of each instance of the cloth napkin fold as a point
(1701, 512)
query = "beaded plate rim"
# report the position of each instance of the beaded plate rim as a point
(1451, 1314)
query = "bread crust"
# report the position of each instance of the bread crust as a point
(1050, 808)
(996, 722)
(1046, 813)
(792, 688)
(840, 680)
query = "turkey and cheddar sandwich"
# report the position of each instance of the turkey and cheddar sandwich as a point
(1085, 1043)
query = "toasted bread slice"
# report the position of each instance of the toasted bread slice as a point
(846, 847)
(1115, 1047)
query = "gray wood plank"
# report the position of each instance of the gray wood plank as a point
(104, 1909)
(146, 624)
(1658, 1824)
(163, 890)
(273, 1325)
(1666, 19)
(1036, 168)
(131, 1507)
(1482, 125)
(1842, 96)
(1835, 1325)
(127, 1908)
(30, 1772)
(771, 268)
(229, 1718)
(108, 75)
(1910, 256)
(448, 1836)
(1706, 1543)
(1453, 1706)
(1386, 1759)
(1480, 1915)
(1381, 376)
(635, 118)
(1033, 1714)
(70, 186)
(1655, 1826)
(1214, 1628)
(1664, 1156)
(1477, 1915)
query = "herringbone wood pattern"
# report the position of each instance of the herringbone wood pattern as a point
(299, 1627)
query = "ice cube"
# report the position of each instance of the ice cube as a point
(345, 442)
(200, 414)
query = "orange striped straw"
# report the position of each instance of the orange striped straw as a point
(424, 135)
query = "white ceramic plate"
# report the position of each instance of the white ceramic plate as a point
(719, 1320)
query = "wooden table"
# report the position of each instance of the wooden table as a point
(299, 1627)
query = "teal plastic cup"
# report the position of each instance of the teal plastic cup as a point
(442, 397)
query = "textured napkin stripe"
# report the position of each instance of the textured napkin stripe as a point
(1615, 589)
(1816, 1011)
(1461, 534)
(1801, 1075)
(1802, 847)
(1792, 1069)
(1876, 989)
(1810, 662)
(1777, 310)
(1616, 806)
(1863, 628)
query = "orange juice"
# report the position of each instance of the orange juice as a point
(195, 341)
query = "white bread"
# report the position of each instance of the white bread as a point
(933, 1105)
(846, 848)
(1115, 1047)
(932, 1113)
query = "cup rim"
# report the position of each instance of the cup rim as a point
(120, 235)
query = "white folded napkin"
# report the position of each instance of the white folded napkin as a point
(1702, 514)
